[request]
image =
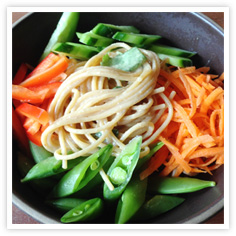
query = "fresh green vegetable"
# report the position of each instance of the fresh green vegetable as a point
(24, 164)
(164, 49)
(122, 169)
(156, 206)
(49, 167)
(82, 173)
(39, 153)
(65, 204)
(128, 61)
(96, 183)
(144, 159)
(75, 50)
(109, 30)
(89, 38)
(175, 61)
(136, 39)
(171, 185)
(64, 31)
(131, 200)
(85, 211)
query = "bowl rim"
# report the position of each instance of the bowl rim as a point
(44, 219)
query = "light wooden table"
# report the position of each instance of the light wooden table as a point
(19, 217)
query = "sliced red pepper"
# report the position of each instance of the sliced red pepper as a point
(19, 132)
(35, 138)
(20, 74)
(33, 112)
(26, 95)
(31, 126)
(47, 75)
(49, 61)
(50, 88)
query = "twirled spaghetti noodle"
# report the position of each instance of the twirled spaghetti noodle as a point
(97, 99)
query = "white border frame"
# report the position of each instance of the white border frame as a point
(10, 10)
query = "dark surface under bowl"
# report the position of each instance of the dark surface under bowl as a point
(190, 31)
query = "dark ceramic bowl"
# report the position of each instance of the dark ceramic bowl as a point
(190, 31)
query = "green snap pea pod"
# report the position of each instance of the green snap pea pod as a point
(65, 204)
(96, 183)
(24, 164)
(65, 31)
(131, 200)
(144, 159)
(49, 167)
(176, 185)
(84, 212)
(122, 169)
(81, 174)
(156, 206)
(39, 153)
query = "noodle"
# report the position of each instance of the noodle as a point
(95, 100)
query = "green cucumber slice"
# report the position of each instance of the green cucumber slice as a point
(136, 39)
(92, 39)
(109, 30)
(64, 31)
(75, 50)
(175, 61)
(164, 49)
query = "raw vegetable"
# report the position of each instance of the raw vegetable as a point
(20, 74)
(128, 61)
(85, 211)
(39, 153)
(177, 185)
(45, 76)
(75, 50)
(65, 204)
(175, 61)
(122, 169)
(81, 174)
(195, 135)
(65, 31)
(136, 39)
(156, 206)
(131, 200)
(49, 167)
(109, 30)
(89, 38)
(33, 112)
(19, 133)
(167, 50)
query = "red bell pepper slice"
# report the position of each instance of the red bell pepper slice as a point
(31, 126)
(20, 74)
(33, 112)
(35, 138)
(19, 132)
(50, 60)
(50, 88)
(48, 74)
(26, 95)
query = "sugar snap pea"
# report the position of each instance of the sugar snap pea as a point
(39, 153)
(65, 204)
(122, 169)
(49, 167)
(156, 206)
(131, 200)
(144, 159)
(24, 164)
(85, 211)
(176, 185)
(81, 174)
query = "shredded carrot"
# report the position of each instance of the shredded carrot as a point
(195, 136)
